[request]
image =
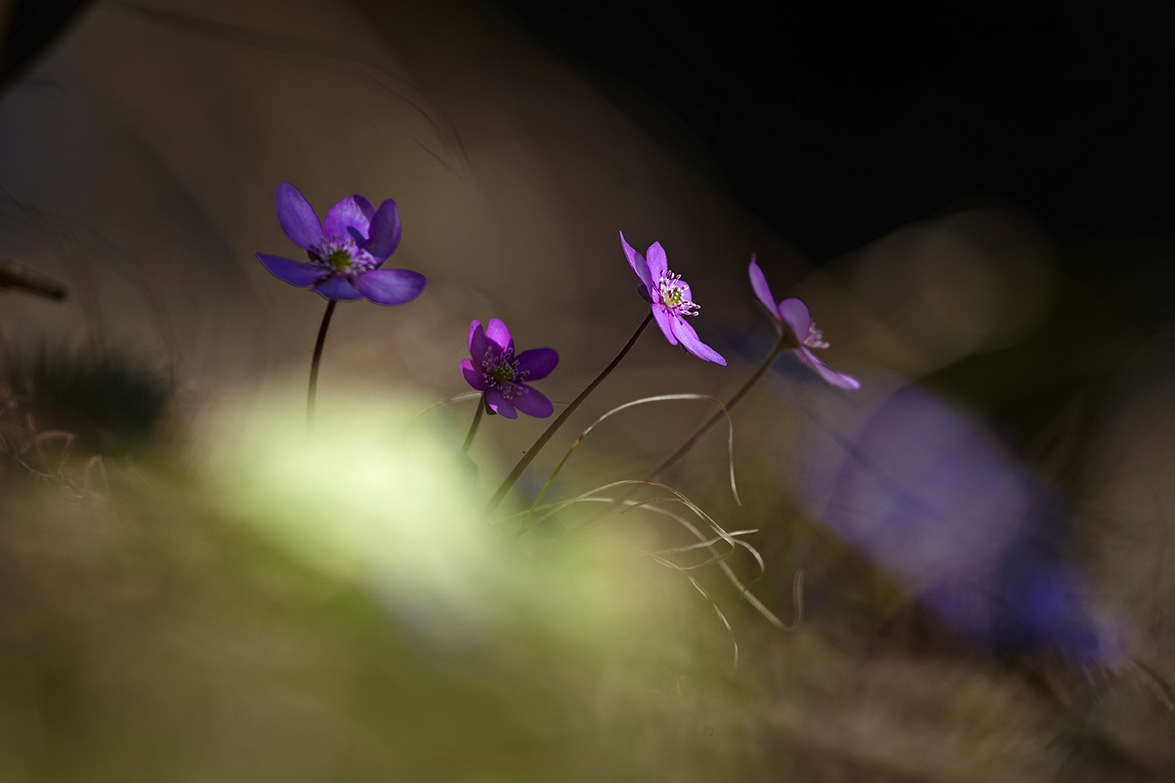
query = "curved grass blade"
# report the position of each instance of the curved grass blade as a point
(632, 404)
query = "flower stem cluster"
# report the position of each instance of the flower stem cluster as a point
(347, 249)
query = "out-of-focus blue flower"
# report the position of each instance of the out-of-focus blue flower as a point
(346, 250)
(926, 493)
(793, 314)
(670, 299)
(494, 369)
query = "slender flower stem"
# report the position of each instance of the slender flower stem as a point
(496, 500)
(785, 342)
(317, 359)
(481, 407)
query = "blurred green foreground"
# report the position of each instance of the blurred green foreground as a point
(288, 606)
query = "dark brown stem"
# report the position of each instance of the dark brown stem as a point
(673, 458)
(481, 408)
(786, 341)
(496, 500)
(317, 359)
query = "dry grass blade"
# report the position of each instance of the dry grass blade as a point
(41, 438)
(725, 622)
(455, 399)
(721, 535)
(671, 397)
(642, 401)
(95, 463)
(586, 497)
(744, 589)
(701, 544)
(677, 497)
(1163, 690)
(659, 555)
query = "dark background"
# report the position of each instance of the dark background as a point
(835, 122)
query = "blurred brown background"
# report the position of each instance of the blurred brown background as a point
(977, 199)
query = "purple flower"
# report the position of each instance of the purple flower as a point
(669, 296)
(346, 250)
(794, 314)
(494, 369)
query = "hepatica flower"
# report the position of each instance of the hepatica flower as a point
(793, 314)
(504, 377)
(669, 296)
(345, 250)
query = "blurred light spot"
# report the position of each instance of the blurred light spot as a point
(389, 503)
(974, 281)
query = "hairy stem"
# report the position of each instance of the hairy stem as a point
(312, 394)
(496, 500)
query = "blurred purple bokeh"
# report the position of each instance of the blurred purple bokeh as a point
(926, 492)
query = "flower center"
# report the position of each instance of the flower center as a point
(673, 294)
(342, 256)
(340, 259)
(500, 370)
(503, 373)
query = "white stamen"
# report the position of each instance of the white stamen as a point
(501, 372)
(815, 338)
(672, 294)
(360, 260)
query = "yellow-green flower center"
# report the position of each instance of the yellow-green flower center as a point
(340, 259)
(342, 256)
(501, 370)
(672, 293)
(503, 373)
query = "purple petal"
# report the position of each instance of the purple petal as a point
(533, 402)
(473, 376)
(385, 231)
(338, 288)
(665, 320)
(353, 212)
(390, 286)
(499, 334)
(293, 272)
(298, 219)
(365, 206)
(637, 263)
(474, 325)
(838, 379)
(759, 286)
(691, 342)
(657, 261)
(795, 314)
(538, 362)
(499, 404)
(479, 345)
